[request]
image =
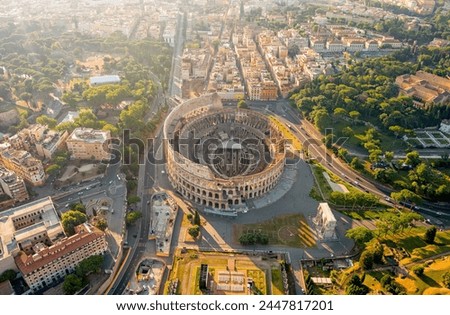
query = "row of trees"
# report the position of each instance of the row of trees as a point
(253, 238)
(354, 199)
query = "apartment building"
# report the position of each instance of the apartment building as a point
(22, 227)
(89, 144)
(23, 164)
(40, 140)
(13, 185)
(49, 264)
(225, 78)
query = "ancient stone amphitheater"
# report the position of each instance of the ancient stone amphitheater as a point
(221, 157)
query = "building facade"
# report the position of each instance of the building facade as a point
(89, 144)
(22, 227)
(23, 164)
(49, 264)
(248, 150)
(13, 185)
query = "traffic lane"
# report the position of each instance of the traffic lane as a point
(349, 174)
(328, 161)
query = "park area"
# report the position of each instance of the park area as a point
(410, 266)
(228, 273)
(289, 230)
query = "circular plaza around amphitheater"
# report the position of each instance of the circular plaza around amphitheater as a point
(219, 156)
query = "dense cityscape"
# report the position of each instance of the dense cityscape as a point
(225, 147)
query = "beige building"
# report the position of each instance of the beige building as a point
(48, 264)
(23, 164)
(89, 144)
(39, 139)
(13, 185)
(23, 227)
(424, 87)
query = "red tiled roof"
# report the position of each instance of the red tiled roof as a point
(28, 264)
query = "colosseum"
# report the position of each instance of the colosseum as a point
(219, 157)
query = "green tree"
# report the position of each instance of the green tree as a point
(194, 231)
(339, 112)
(48, 121)
(389, 156)
(354, 115)
(101, 224)
(418, 270)
(406, 195)
(356, 287)
(92, 264)
(72, 284)
(446, 279)
(26, 97)
(78, 206)
(242, 104)
(196, 218)
(361, 235)
(71, 219)
(377, 251)
(366, 260)
(412, 158)
(133, 199)
(52, 169)
(347, 131)
(8, 275)
(430, 235)
(356, 164)
(132, 217)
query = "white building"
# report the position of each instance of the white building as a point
(104, 79)
(325, 222)
(335, 46)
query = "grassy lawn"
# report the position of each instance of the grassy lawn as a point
(259, 280)
(387, 142)
(412, 241)
(430, 282)
(321, 181)
(367, 214)
(277, 282)
(287, 134)
(291, 230)
(186, 268)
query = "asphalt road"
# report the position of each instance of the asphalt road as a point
(311, 139)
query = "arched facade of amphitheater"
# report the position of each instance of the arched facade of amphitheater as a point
(248, 153)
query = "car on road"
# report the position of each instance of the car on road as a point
(80, 192)
(439, 213)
